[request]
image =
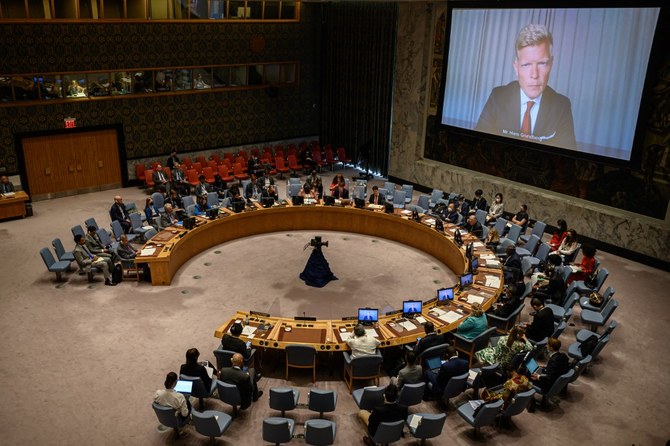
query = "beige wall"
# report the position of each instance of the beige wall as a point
(630, 231)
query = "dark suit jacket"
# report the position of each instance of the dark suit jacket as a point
(235, 344)
(558, 365)
(345, 193)
(156, 177)
(554, 120)
(197, 370)
(380, 201)
(119, 212)
(233, 375)
(431, 340)
(7, 187)
(542, 325)
(477, 231)
(386, 413)
(451, 368)
(513, 261)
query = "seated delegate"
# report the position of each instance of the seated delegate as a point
(361, 344)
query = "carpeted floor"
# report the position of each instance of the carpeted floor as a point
(81, 362)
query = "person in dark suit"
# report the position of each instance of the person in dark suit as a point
(558, 365)
(543, 321)
(521, 218)
(161, 181)
(430, 340)
(479, 202)
(232, 342)
(454, 366)
(118, 212)
(179, 181)
(388, 412)
(463, 206)
(474, 227)
(451, 214)
(245, 384)
(510, 301)
(376, 197)
(5, 185)
(195, 369)
(527, 108)
(555, 289)
(512, 265)
(94, 245)
(341, 191)
(173, 160)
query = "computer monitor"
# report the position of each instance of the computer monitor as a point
(445, 294)
(267, 202)
(359, 203)
(466, 280)
(298, 200)
(415, 215)
(212, 213)
(411, 307)
(469, 249)
(457, 237)
(368, 315)
(329, 200)
(439, 226)
(388, 208)
(238, 206)
(474, 265)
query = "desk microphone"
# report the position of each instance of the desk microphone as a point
(303, 314)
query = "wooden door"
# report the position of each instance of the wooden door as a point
(68, 164)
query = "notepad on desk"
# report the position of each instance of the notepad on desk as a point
(407, 325)
(475, 299)
(421, 319)
(492, 282)
(345, 336)
(450, 317)
(371, 332)
(248, 330)
(148, 251)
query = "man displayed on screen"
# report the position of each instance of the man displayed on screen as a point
(528, 108)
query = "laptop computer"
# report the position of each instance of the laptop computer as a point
(184, 386)
(434, 363)
(532, 366)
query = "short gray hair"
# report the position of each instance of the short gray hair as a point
(532, 35)
(359, 330)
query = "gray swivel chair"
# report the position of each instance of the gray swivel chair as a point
(390, 189)
(61, 253)
(58, 267)
(320, 432)
(411, 394)
(435, 196)
(136, 223)
(363, 367)
(435, 351)
(399, 199)
(283, 399)
(555, 389)
(455, 386)
(223, 358)
(369, 397)
(150, 234)
(485, 417)
(159, 201)
(504, 324)
(301, 357)
(168, 417)
(579, 368)
(211, 423)
(229, 394)
(409, 191)
(213, 199)
(538, 231)
(424, 203)
(278, 430)
(388, 432)
(500, 225)
(294, 190)
(470, 346)
(564, 312)
(480, 214)
(599, 318)
(106, 240)
(198, 390)
(519, 403)
(187, 200)
(91, 222)
(430, 426)
(584, 334)
(582, 288)
(529, 248)
(540, 256)
(321, 401)
(584, 301)
(575, 352)
(77, 230)
(118, 232)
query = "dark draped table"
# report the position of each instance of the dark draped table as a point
(317, 272)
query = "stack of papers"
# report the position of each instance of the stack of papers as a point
(438, 312)
(492, 281)
(478, 245)
(345, 336)
(420, 319)
(475, 299)
(450, 317)
(148, 251)
(407, 325)
(414, 421)
(375, 206)
(430, 221)
(493, 263)
(248, 330)
(487, 257)
(371, 332)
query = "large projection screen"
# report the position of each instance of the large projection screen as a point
(589, 81)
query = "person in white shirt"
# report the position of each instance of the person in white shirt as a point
(362, 344)
(170, 398)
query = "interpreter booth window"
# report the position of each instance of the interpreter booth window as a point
(26, 88)
(221, 77)
(121, 83)
(217, 9)
(136, 9)
(198, 9)
(11, 9)
(238, 76)
(65, 9)
(287, 9)
(6, 94)
(142, 82)
(99, 85)
(89, 9)
(74, 85)
(160, 9)
(38, 9)
(52, 87)
(255, 9)
(256, 75)
(183, 79)
(163, 81)
(239, 10)
(202, 78)
(113, 9)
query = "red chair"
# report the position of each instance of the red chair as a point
(149, 178)
(213, 164)
(241, 160)
(292, 150)
(293, 165)
(154, 165)
(225, 174)
(208, 172)
(229, 167)
(342, 156)
(281, 167)
(330, 158)
(168, 173)
(186, 161)
(256, 152)
(243, 154)
(228, 156)
(201, 159)
(192, 177)
(279, 153)
(316, 156)
(197, 167)
(139, 171)
(216, 158)
(267, 149)
(238, 172)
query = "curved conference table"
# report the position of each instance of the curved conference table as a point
(168, 250)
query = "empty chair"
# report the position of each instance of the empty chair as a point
(399, 199)
(283, 399)
(529, 248)
(320, 432)
(388, 432)
(574, 350)
(149, 178)
(198, 389)
(211, 423)
(91, 222)
(150, 234)
(301, 357)
(321, 401)
(584, 301)
(579, 368)
(359, 192)
(510, 239)
(118, 232)
(480, 214)
(188, 200)
(58, 267)
(540, 255)
(294, 190)
(159, 201)
(362, 367)
(504, 324)
(167, 416)
(294, 165)
(238, 172)
(455, 386)
(600, 279)
(500, 225)
(140, 171)
(213, 199)
(435, 196)
(485, 417)
(559, 329)
(61, 253)
(278, 430)
(599, 318)
(423, 202)
(390, 188)
(409, 190)
(564, 312)
(77, 230)
(538, 230)
(229, 394)
(583, 334)
(136, 223)
(280, 166)
(470, 346)
(411, 394)
(368, 398)
(556, 388)
(430, 425)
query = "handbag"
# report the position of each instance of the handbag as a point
(595, 299)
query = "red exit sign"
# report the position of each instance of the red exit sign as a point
(70, 123)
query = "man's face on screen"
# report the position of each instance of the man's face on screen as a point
(532, 67)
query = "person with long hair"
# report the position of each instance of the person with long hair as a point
(507, 346)
(559, 235)
(586, 267)
(496, 209)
